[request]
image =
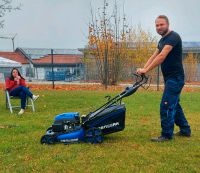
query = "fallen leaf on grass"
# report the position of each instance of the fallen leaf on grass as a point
(7, 126)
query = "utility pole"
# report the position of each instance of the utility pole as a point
(106, 75)
(158, 77)
(52, 71)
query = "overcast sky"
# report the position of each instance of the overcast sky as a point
(63, 23)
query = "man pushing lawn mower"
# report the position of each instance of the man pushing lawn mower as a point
(70, 127)
(169, 55)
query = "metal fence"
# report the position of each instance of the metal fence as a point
(192, 73)
(88, 72)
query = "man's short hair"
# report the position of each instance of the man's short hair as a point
(163, 17)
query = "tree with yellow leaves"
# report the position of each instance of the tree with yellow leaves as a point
(116, 47)
(191, 67)
(107, 40)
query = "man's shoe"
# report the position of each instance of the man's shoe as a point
(160, 139)
(21, 112)
(182, 134)
(35, 97)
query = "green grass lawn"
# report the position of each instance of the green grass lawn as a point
(128, 151)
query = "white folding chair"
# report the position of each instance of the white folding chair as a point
(9, 98)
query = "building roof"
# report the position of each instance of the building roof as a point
(4, 62)
(191, 44)
(187, 46)
(15, 56)
(193, 47)
(35, 53)
(58, 59)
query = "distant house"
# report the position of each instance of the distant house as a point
(18, 57)
(63, 64)
(66, 63)
(191, 47)
(6, 65)
(188, 47)
(37, 63)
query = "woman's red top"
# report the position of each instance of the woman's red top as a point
(11, 84)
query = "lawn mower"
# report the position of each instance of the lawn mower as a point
(70, 127)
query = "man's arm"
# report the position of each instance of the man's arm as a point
(157, 60)
(151, 58)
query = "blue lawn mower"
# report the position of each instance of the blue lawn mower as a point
(70, 127)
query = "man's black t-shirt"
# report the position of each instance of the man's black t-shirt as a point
(172, 65)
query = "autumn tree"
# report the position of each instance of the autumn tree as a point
(140, 46)
(191, 67)
(117, 47)
(107, 42)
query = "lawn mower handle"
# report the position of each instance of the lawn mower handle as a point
(127, 92)
(141, 77)
(130, 90)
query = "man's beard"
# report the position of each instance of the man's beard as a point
(164, 32)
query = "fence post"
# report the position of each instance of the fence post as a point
(52, 63)
(158, 77)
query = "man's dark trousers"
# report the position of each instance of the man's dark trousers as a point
(170, 108)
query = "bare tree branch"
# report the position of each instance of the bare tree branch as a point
(6, 7)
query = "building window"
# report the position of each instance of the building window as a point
(61, 69)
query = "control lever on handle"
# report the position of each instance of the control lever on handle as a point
(146, 82)
(140, 76)
(143, 79)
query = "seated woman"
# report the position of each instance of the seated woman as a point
(16, 86)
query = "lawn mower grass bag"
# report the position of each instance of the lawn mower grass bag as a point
(109, 118)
